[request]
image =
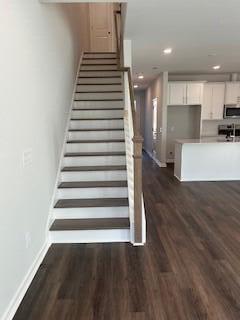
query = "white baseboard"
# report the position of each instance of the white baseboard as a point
(177, 178)
(22, 289)
(170, 161)
(160, 164)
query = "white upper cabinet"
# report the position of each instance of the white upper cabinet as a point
(218, 100)
(194, 93)
(176, 93)
(207, 102)
(232, 93)
(213, 101)
(183, 93)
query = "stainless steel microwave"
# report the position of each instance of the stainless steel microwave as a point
(231, 111)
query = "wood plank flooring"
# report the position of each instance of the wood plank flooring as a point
(189, 268)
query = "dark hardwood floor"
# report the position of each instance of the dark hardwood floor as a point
(189, 268)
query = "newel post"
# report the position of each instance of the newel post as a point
(137, 159)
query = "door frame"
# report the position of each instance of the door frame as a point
(154, 119)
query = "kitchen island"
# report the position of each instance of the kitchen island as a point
(207, 159)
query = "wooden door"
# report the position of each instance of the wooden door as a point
(101, 27)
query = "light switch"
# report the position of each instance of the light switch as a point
(27, 158)
(27, 239)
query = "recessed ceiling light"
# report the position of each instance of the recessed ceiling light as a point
(135, 86)
(216, 67)
(155, 68)
(167, 51)
(140, 76)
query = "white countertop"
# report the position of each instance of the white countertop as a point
(207, 140)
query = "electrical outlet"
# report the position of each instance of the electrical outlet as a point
(27, 239)
(27, 158)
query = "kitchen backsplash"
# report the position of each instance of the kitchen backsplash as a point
(210, 127)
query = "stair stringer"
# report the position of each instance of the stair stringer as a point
(61, 158)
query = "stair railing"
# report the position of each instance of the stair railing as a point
(134, 142)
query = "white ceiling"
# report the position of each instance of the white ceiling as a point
(194, 29)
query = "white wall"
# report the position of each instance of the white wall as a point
(40, 50)
(183, 122)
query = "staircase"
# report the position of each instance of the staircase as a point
(92, 197)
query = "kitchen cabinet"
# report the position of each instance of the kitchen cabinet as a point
(194, 93)
(232, 93)
(218, 101)
(176, 93)
(213, 101)
(184, 93)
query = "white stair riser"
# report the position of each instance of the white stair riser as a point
(98, 104)
(94, 176)
(100, 55)
(94, 161)
(95, 135)
(91, 193)
(90, 236)
(99, 73)
(96, 96)
(106, 87)
(96, 124)
(91, 213)
(98, 61)
(95, 147)
(99, 80)
(98, 67)
(91, 114)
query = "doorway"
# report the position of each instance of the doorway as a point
(154, 127)
(102, 37)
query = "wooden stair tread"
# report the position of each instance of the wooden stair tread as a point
(93, 168)
(99, 64)
(98, 100)
(100, 84)
(90, 224)
(92, 184)
(96, 141)
(98, 70)
(83, 119)
(96, 109)
(108, 77)
(91, 203)
(109, 91)
(99, 52)
(100, 58)
(80, 154)
(113, 129)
